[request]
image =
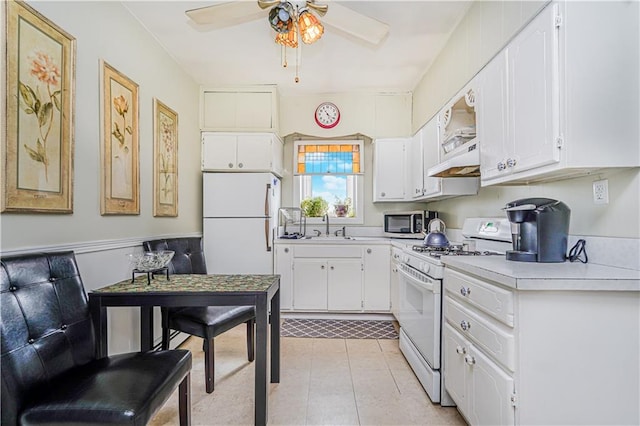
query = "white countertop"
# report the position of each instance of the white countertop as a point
(350, 240)
(547, 276)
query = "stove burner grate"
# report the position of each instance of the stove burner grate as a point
(452, 250)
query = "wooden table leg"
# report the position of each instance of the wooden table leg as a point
(275, 338)
(146, 328)
(261, 384)
(99, 319)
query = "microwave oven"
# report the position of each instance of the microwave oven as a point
(407, 224)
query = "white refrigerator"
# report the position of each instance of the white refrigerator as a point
(240, 212)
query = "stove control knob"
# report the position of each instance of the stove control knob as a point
(424, 267)
(465, 291)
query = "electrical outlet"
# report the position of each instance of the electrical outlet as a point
(601, 191)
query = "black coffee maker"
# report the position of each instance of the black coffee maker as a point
(539, 228)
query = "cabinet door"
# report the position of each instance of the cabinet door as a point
(490, 390)
(310, 284)
(344, 285)
(430, 156)
(533, 93)
(253, 110)
(218, 152)
(415, 167)
(283, 266)
(254, 152)
(389, 166)
(376, 278)
(492, 119)
(455, 347)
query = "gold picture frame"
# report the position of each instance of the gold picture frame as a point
(37, 153)
(165, 160)
(120, 174)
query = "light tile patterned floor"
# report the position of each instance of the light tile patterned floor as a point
(323, 382)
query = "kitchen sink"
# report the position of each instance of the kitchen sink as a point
(328, 238)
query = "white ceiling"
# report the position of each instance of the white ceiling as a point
(245, 53)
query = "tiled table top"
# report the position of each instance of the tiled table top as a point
(193, 283)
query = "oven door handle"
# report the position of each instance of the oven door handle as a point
(417, 283)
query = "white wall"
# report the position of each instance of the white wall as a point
(482, 32)
(106, 30)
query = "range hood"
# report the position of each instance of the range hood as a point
(462, 162)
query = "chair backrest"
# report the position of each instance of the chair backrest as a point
(188, 257)
(45, 326)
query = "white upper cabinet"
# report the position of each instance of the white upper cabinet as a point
(246, 109)
(389, 164)
(242, 152)
(561, 99)
(415, 168)
(430, 156)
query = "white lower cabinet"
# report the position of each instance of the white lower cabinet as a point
(344, 285)
(341, 278)
(310, 284)
(283, 258)
(377, 294)
(481, 389)
(540, 356)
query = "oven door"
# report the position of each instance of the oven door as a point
(419, 313)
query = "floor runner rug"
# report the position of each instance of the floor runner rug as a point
(338, 329)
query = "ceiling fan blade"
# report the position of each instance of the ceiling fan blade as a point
(321, 9)
(265, 4)
(356, 24)
(229, 13)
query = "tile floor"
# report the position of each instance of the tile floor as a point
(322, 382)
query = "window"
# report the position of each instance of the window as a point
(328, 179)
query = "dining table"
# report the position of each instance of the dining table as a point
(260, 291)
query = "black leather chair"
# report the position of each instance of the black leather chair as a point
(202, 322)
(50, 374)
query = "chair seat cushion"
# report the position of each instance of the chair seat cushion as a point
(121, 389)
(207, 322)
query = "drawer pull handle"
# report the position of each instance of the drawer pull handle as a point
(461, 350)
(465, 325)
(465, 291)
(469, 360)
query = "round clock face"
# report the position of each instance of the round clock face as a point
(327, 115)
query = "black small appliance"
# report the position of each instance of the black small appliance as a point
(539, 228)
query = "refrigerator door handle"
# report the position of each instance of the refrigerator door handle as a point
(267, 233)
(267, 207)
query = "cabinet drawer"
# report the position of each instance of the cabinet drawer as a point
(493, 300)
(325, 251)
(492, 338)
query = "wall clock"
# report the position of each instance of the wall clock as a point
(327, 115)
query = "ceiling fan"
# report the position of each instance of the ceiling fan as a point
(334, 15)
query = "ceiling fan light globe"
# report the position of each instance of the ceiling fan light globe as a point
(289, 39)
(280, 17)
(310, 27)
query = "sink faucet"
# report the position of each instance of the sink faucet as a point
(340, 232)
(325, 218)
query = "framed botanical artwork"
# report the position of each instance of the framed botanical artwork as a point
(37, 153)
(165, 160)
(120, 175)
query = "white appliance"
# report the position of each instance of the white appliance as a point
(240, 222)
(420, 312)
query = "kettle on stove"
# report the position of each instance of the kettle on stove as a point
(436, 237)
(539, 229)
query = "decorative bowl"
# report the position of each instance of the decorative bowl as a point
(150, 260)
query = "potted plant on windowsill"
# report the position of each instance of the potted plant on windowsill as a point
(342, 206)
(314, 207)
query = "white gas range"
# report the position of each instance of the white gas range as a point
(420, 311)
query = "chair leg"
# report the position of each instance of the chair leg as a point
(166, 332)
(184, 400)
(209, 364)
(251, 347)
